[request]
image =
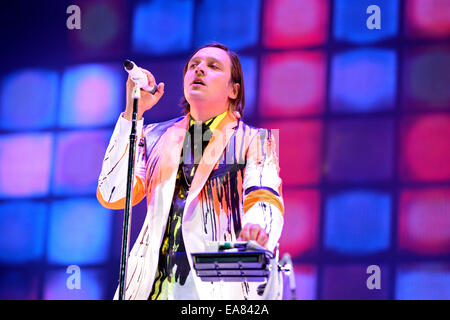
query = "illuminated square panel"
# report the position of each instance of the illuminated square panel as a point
(305, 278)
(92, 95)
(78, 161)
(301, 216)
(363, 80)
(233, 23)
(250, 71)
(79, 232)
(292, 84)
(171, 73)
(360, 150)
(349, 282)
(425, 148)
(426, 79)
(290, 23)
(58, 285)
(19, 284)
(161, 27)
(22, 226)
(424, 221)
(423, 281)
(357, 222)
(428, 18)
(350, 20)
(103, 29)
(25, 163)
(299, 144)
(33, 110)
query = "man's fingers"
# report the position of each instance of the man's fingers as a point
(254, 232)
(151, 78)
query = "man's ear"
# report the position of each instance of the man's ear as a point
(234, 93)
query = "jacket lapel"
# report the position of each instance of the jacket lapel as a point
(171, 145)
(214, 150)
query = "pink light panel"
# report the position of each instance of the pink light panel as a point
(301, 222)
(292, 84)
(300, 151)
(424, 221)
(425, 153)
(288, 23)
(428, 18)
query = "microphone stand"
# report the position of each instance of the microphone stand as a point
(129, 196)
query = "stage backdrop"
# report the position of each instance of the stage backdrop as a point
(360, 93)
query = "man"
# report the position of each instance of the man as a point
(207, 177)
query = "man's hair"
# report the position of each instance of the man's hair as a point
(237, 76)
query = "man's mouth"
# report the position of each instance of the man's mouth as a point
(198, 82)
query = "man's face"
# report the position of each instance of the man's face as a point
(207, 78)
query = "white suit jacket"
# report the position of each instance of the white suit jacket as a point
(237, 182)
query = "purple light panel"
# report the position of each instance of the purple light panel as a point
(301, 227)
(92, 95)
(425, 148)
(289, 23)
(90, 285)
(19, 285)
(33, 110)
(360, 150)
(349, 282)
(78, 161)
(103, 30)
(300, 153)
(424, 221)
(426, 78)
(292, 84)
(25, 163)
(305, 283)
(428, 18)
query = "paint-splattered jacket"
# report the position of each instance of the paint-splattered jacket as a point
(237, 182)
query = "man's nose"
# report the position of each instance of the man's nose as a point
(199, 71)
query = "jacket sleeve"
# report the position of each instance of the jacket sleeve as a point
(112, 183)
(263, 202)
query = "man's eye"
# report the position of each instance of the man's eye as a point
(214, 66)
(193, 65)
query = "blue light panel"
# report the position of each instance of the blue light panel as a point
(250, 71)
(350, 19)
(357, 222)
(161, 27)
(233, 23)
(28, 99)
(423, 282)
(79, 232)
(363, 80)
(22, 226)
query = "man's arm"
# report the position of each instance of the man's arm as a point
(263, 202)
(112, 183)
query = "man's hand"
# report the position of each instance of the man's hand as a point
(254, 232)
(147, 100)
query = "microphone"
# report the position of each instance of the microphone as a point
(138, 76)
